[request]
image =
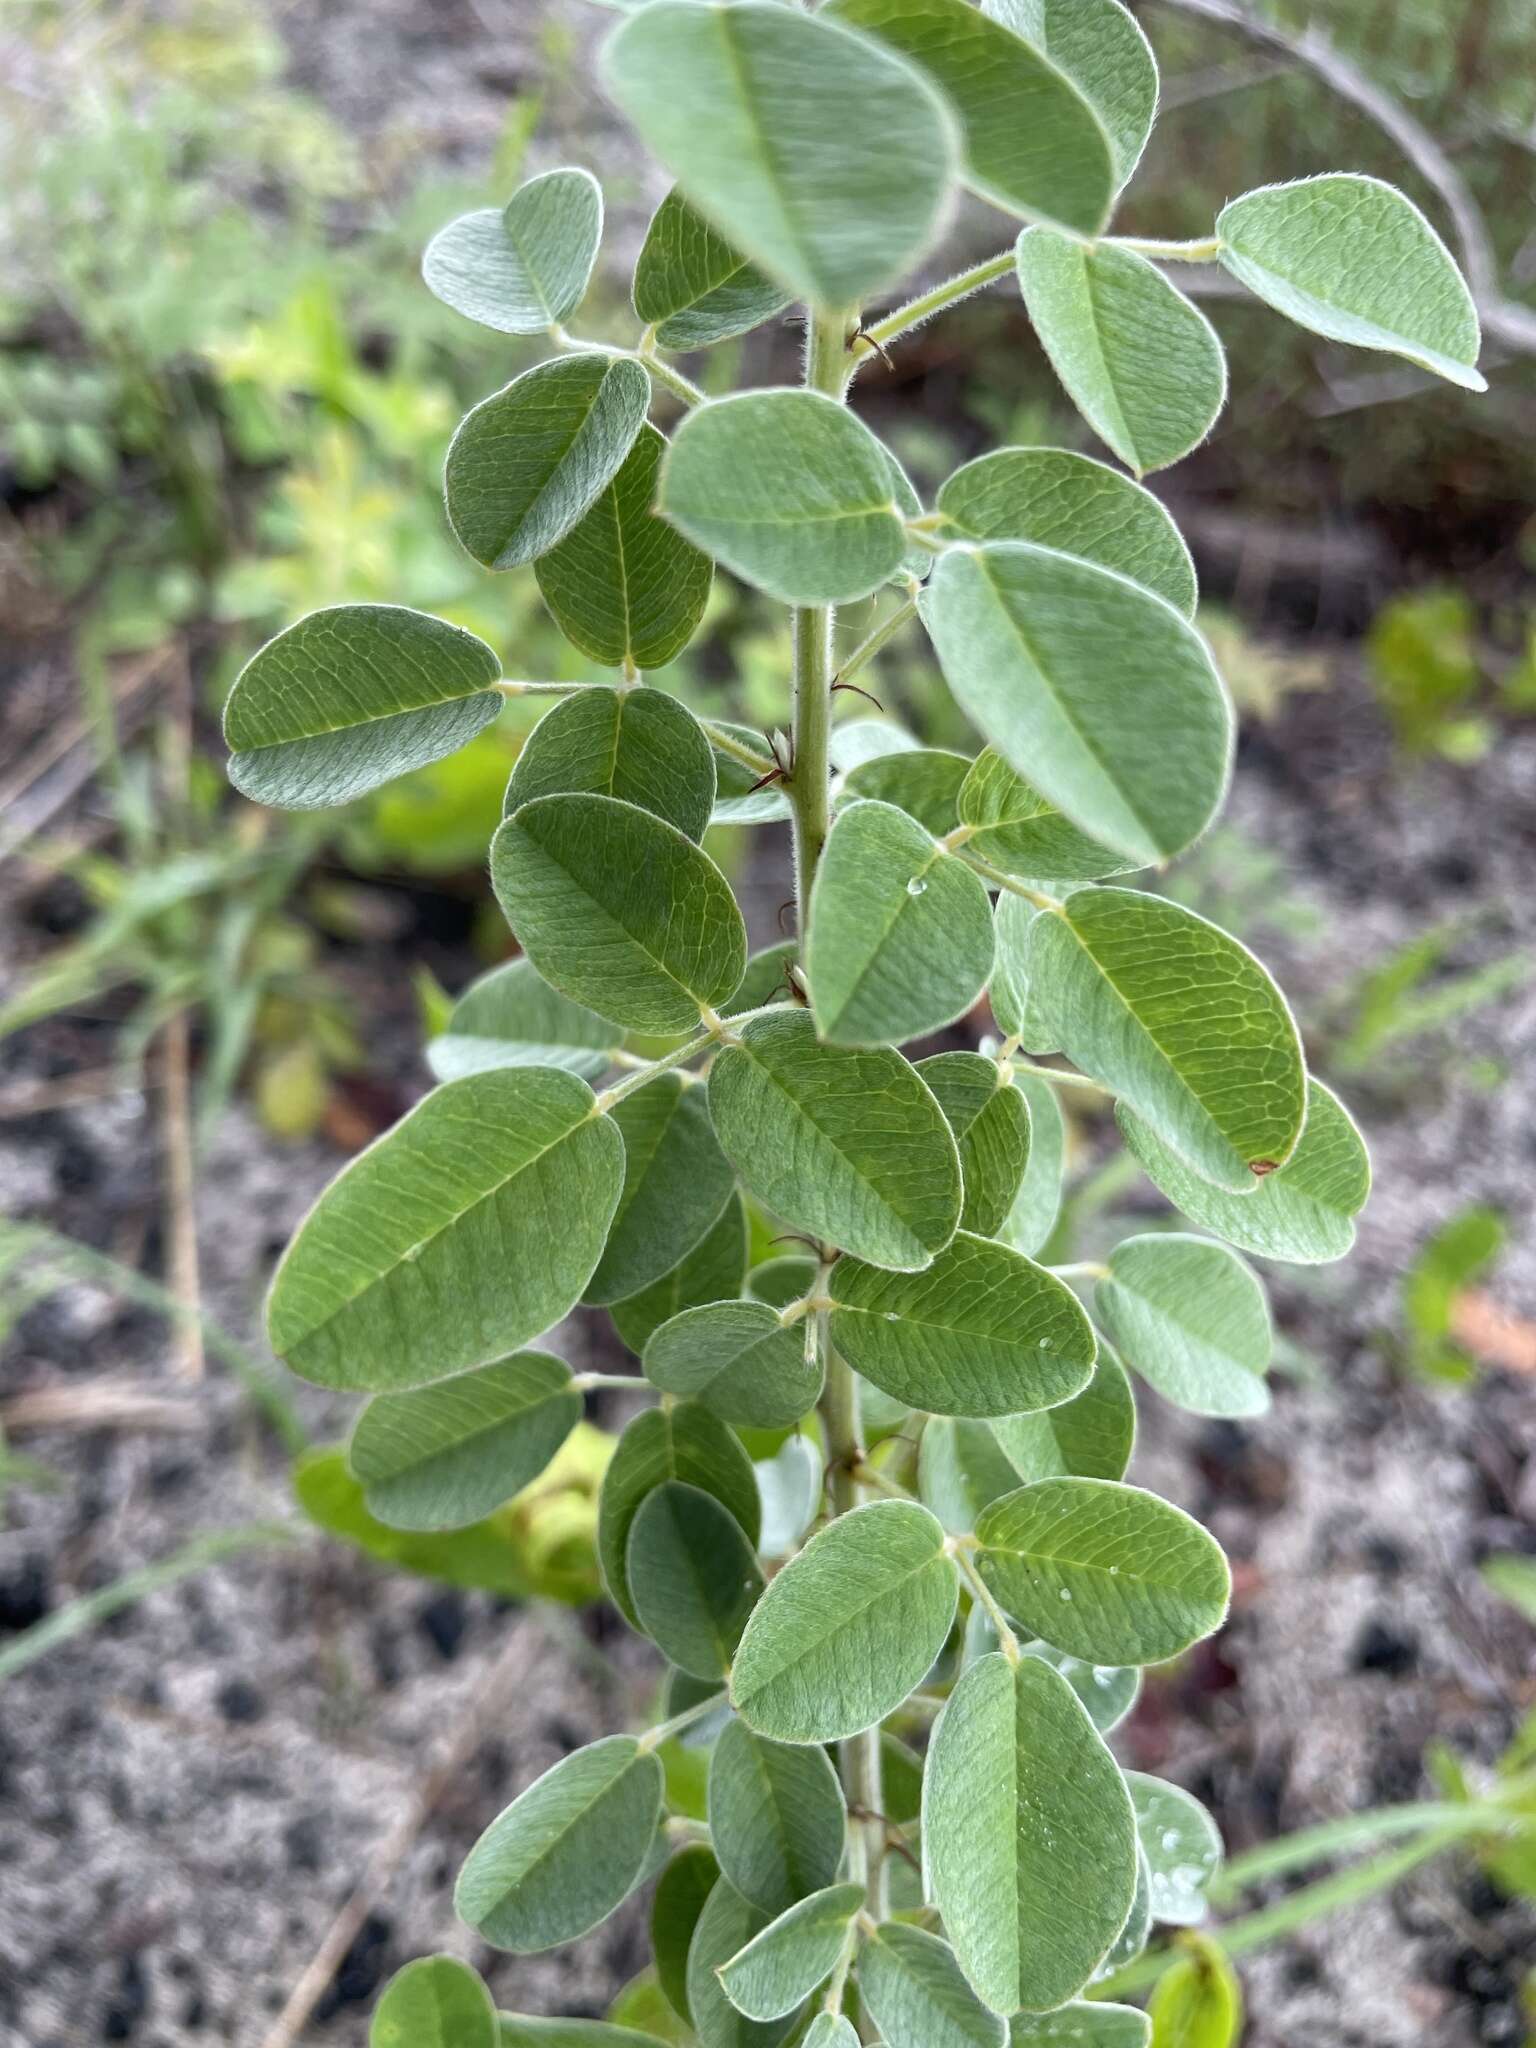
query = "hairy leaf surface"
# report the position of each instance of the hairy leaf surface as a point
(739, 1360)
(1191, 1318)
(714, 1270)
(682, 1442)
(435, 2002)
(693, 287)
(692, 1576)
(523, 267)
(1091, 1436)
(511, 1017)
(990, 1121)
(638, 745)
(677, 1182)
(917, 1995)
(777, 1817)
(780, 1968)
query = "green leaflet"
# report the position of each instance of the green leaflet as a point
(739, 1360)
(848, 1628)
(1179, 1020)
(961, 1468)
(713, 1271)
(623, 585)
(845, 1145)
(777, 128)
(435, 2002)
(784, 1279)
(982, 1331)
(1083, 2025)
(1029, 1838)
(681, 1892)
(1182, 1845)
(790, 1485)
(1303, 1213)
(350, 697)
(1091, 1437)
(726, 1925)
(1138, 360)
(446, 1455)
(1013, 1012)
(683, 1442)
(1106, 1692)
(529, 462)
(1198, 2002)
(777, 1818)
(1352, 259)
(1012, 827)
(1100, 46)
(558, 1860)
(831, 2030)
(511, 1017)
(524, 267)
(1105, 1572)
(1192, 1319)
(693, 287)
(677, 1182)
(780, 1968)
(737, 799)
(913, 1988)
(638, 745)
(692, 1576)
(493, 1195)
(1100, 692)
(481, 1557)
(868, 739)
(924, 783)
(619, 910)
(787, 489)
(1035, 1207)
(900, 939)
(990, 1121)
(1137, 1931)
(1033, 144)
(1077, 506)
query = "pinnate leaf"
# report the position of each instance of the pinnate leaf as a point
(558, 1860)
(1303, 1213)
(1140, 362)
(848, 1628)
(1028, 1835)
(619, 910)
(982, 1331)
(900, 939)
(848, 1146)
(777, 126)
(511, 1017)
(777, 1817)
(693, 287)
(780, 1968)
(918, 1998)
(1192, 1319)
(1182, 1022)
(1095, 690)
(466, 1230)
(444, 1456)
(1352, 259)
(350, 697)
(1106, 1572)
(527, 463)
(739, 1360)
(677, 1182)
(789, 490)
(435, 2002)
(692, 1576)
(523, 267)
(682, 1442)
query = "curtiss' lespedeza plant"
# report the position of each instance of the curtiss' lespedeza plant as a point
(946, 1530)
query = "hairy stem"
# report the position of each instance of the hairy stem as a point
(916, 311)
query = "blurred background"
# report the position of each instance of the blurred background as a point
(246, 1735)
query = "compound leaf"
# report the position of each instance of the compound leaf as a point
(848, 1146)
(623, 585)
(981, 1331)
(677, 1181)
(1028, 1835)
(713, 1271)
(1101, 694)
(1091, 1437)
(435, 2002)
(1304, 1212)
(1033, 144)
(780, 1968)
(778, 128)
(639, 745)
(1192, 1319)
(777, 1817)
(558, 1860)
(523, 267)
(1180, 1021)
(1182, 1845)
(1352, 259)
(1138, 360)
(466, 1230)
(530, 461)
(917, 1996)
(682, 1442)
(444, 1456)
(848, 1628)
(789, 490)
(990, 1121)
(739, 1360)
(350, 697)
(1106, 1572)
(692, 1577)
(511, 1017)
(619, 910)
(693, 287)
(900, 939)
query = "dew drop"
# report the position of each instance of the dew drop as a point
(891, 1316)
(1170, 1839)
(916, 886)
(1065, 1593)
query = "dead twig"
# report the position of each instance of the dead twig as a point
(101, 1404)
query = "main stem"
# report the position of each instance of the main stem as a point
(827, 370)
